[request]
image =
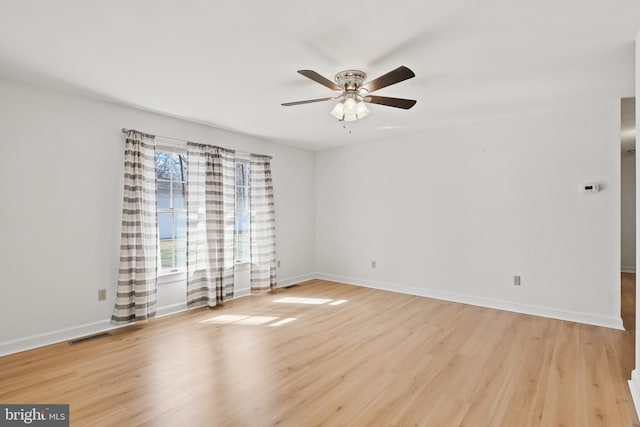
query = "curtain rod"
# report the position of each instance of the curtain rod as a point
(125, 130)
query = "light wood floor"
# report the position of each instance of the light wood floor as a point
(378, 359)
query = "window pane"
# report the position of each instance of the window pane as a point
(166, 254)
(245, 174)
(183, 162)
(165, 225)
(242, 247)
(181, 225)
(238, 174)
(242, 198)
(179, 190)
(163, 165)
(164, 195)
(181, 253)
(171, 171)
(242, 174)
(178, 167)
(242, 222)
(242, 242)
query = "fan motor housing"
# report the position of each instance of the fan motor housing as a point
(350, 80)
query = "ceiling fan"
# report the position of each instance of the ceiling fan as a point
(355, 93)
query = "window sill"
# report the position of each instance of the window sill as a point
(173, 276)
(181, 275)
(243, 266)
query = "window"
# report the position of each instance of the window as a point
(171, 173)
(242, 252)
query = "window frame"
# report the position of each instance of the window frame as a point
(240, 159)
(173, 270)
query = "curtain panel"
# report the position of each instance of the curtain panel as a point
(137, 275)
(210, 224)
(263, 224)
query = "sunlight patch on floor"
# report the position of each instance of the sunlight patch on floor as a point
(225, 318)
(247, 320)
(240, 319)
(282, 322)
(256, 320)
(298, 300)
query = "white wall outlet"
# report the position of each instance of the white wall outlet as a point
(516, 280)
(102, 294)
(590, 188)
(278, 263)
(373, 264)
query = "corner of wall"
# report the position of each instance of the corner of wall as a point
(634, 388)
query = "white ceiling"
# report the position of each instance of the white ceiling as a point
(231, 64)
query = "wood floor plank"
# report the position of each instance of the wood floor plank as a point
(376, 359)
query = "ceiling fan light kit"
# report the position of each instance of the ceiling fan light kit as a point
(355, 93)
(350, 109)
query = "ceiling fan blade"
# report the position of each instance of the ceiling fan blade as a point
(391, 102)
(308, 101)
(319, 79)
(392, 77)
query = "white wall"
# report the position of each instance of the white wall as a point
(455, 213)
(634, 383)
(628, 213)
(61, 187)
(452, 213)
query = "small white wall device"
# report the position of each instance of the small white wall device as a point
(590, 188)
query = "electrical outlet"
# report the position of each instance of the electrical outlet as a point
(102, 294)
(373, 264)
(516, 280)
(278, 263)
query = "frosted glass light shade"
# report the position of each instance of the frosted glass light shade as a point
(361, 110)
(349, 106)
(350, 110)
(338, 111)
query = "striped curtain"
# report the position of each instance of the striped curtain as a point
(210, 224)
(263, 224)
(137, 277)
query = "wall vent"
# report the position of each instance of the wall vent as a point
(88, 338)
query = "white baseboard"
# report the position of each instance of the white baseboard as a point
(168, 310)
(297, 279)
(61, 335)
(572, 316)
(54, 337)
(634, 387)
(239, 293)
(628, 269)
(67, 334)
